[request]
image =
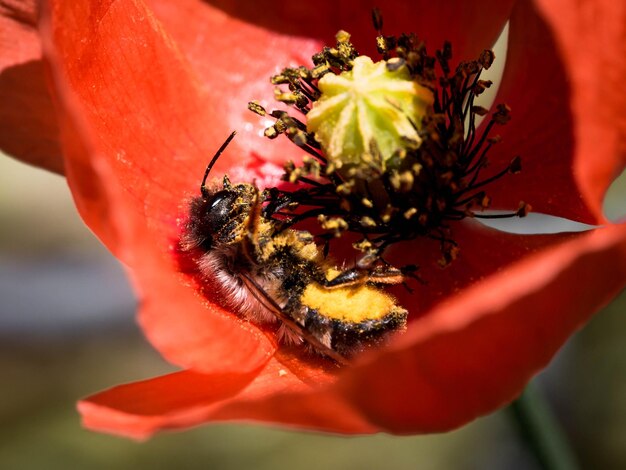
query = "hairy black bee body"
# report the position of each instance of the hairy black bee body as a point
(270, 275)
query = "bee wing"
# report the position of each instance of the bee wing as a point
(270, 304)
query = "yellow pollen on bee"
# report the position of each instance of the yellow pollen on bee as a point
(305, 248)
(348, 304)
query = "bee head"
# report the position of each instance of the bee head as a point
(219, 215)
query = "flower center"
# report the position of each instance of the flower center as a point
(394, 151)
(367, 106)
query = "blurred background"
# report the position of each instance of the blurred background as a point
(67, 329)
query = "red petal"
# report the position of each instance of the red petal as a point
(466, 25)
(536, 85)
(187, 398)
(176, 400)
(237, 46)
(28, 127)
(590, 36)
(476, 352)
(188, 329)
(136, 138)
(483, 251)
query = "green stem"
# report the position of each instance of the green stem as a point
(541, 431)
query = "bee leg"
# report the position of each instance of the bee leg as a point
(373, 275)
(371, 268)
(349, 277)
(250, 241)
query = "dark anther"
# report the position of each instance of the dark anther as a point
(502, 114)
(523, 210)
(377, 20)
(481, 86)
(447, 50)
(279, 114)
(486, 58)
(516, 165)
(479, 110)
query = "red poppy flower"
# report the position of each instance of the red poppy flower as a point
(147, 91)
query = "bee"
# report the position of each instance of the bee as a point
(271, 275)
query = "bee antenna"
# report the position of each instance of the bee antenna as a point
(217, 155)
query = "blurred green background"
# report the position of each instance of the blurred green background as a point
(67, 329)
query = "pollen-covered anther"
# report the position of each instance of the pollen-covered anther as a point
(388, 213)
(367, 104)
(363, 245)
(342, 36)
(410, 213)
(297, 136)
(402, 181)
(291, 97)
(320, 70)
(280, 79)
(333, 167)
(271, 132)
(311, 166)
(279, 127)
(367, 221)
(345, 189)
(367, 203)
(450, 253)
(292, 173)
(256, 108)
(332, 224)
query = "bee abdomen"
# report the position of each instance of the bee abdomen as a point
(351, 319)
